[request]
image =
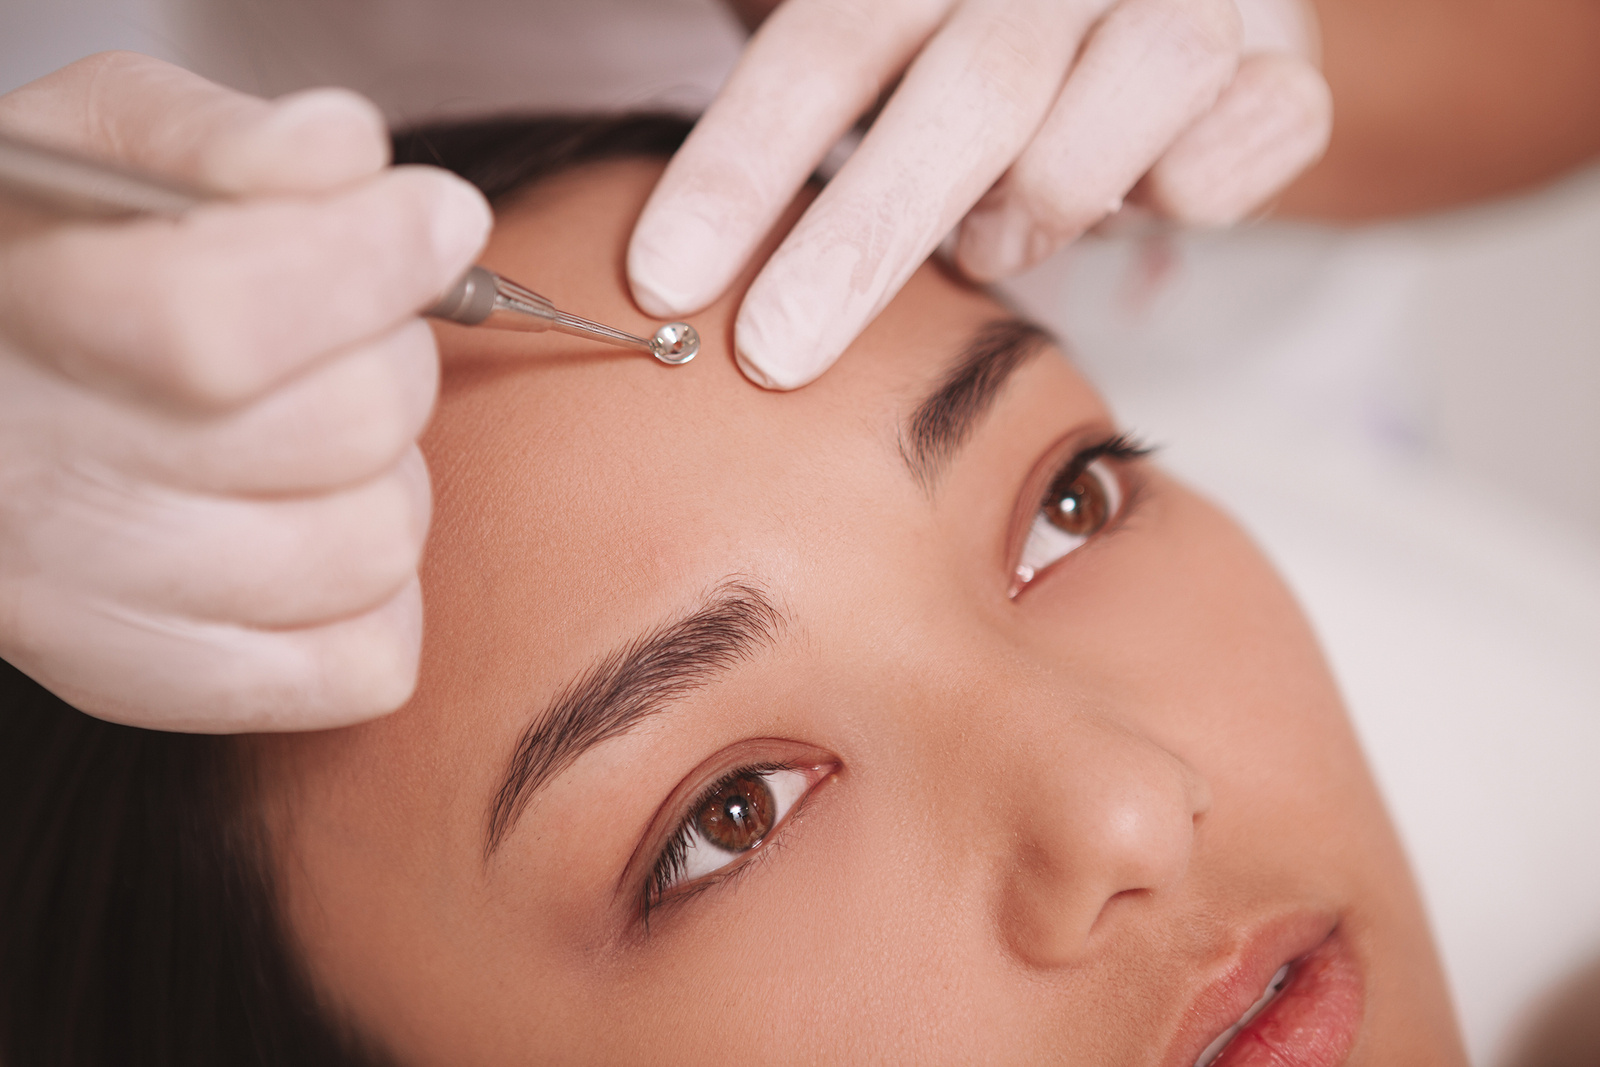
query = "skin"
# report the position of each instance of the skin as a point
(1049, 821)
(1439, 103)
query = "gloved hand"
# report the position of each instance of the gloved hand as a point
(1025, 121)
(212, 505)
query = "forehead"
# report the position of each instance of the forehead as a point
(609, 478)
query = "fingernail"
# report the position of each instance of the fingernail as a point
(338, 109)
(753, 372)
(675, 266)
(651, 300)
(461, 221)
(775, 346)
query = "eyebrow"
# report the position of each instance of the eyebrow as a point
(630, 684)
(945, 418)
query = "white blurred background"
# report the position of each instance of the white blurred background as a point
(1406, 414)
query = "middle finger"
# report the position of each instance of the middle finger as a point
(967, 105)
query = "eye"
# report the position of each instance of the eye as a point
(733, 817)
(1079, 503)
(1083, 498)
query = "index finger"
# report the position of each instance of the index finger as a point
(814, 66)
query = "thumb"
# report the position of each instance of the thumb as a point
(154, 116)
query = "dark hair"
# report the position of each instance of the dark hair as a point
(138, 920)
(136, 917)
(505, 154)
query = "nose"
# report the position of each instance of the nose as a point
(1107, 814)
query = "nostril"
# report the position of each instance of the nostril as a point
(1117, 902)
(1102, 827)
(1122, 899)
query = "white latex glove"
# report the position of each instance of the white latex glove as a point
(1023, 121)
(212, 505)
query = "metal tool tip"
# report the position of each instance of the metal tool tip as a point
(675, 343)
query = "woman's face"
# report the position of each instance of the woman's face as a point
(742, 735)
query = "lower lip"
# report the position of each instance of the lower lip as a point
(1313, 1022)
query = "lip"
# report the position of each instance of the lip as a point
(1313, 1022)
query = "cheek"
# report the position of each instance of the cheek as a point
(1177, 623)
(851, 920)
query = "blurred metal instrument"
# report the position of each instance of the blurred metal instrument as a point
(85, 188)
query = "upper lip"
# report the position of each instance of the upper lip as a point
(1241, 978)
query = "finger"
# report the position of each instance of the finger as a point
(274, 562)
(1272, 123)
(155, 116)
(814, 67)
(343, 422)
(1149, 71)
(968, 104)
(177, 674)
(217, 308)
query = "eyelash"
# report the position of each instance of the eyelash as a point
(1122, 447)
(670, 871)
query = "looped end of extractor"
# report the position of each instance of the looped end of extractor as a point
(675, 343)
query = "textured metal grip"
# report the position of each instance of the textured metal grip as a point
(469, 301)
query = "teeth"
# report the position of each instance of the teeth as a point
(1214, 1049)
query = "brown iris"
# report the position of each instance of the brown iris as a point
(1079, 502)
(737, 814)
